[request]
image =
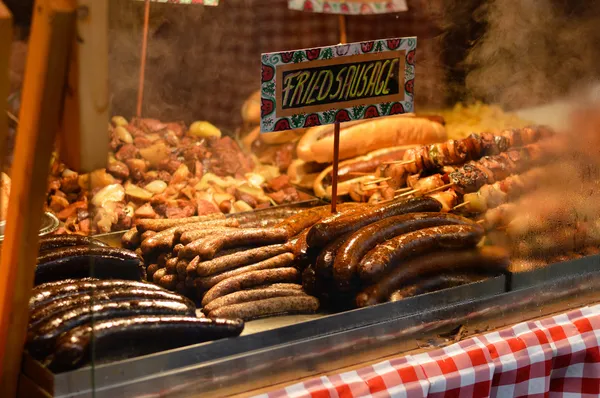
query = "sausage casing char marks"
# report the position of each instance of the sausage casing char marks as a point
(487, 260)
(209, 247)
(141, 334)
(82, 261)
(250, 279)
(245, 296)
(267, 307)
(230, 261)
(324, 232)
(359, 243)
(101, 296)
(146, 224)
(57, 241)
(50, 291)
(305, 219)
(41, 339)
(389, 254)
(279, 261)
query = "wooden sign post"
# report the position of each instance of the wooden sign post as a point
(336, 84)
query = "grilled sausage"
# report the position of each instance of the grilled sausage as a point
(244, 296)
(82, 261)
(147, 235)
(434, 283)
(137, 335)
(279, 261)
(207, 248)
(326, 259)
(267, 307)
(234, 260)
(57, 241)
(326, 231)
(152, 268)
(250, 279)
(97, 297)
(41, 339)
(190, 236)
(158, 275)
(394, 251)
(131, 239)
(249, 218)
(168, 282)
(488, 260)
(49, 291)
(362, 241)
(147, 224)
(166, 239)
(299, 222)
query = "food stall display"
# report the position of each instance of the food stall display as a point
(163, 170)
(196, 261)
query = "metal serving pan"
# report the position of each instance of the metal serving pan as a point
(117, 378)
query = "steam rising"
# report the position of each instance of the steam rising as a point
(533, 52)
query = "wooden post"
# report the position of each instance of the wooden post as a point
(49, 45)
(6, 37)
(83, 139)
(140, 98)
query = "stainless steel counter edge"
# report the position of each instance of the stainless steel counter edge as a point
(305, 357)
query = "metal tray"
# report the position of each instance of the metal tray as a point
(116, 378)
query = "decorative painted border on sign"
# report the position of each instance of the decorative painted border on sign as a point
(349, 7)
(201, 2)
(270, 121)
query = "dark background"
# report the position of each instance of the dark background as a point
(203, 62)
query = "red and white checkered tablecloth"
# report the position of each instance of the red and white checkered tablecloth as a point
(557, 356)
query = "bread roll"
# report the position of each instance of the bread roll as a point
(360, 137)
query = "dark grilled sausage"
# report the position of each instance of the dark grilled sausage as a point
(279, 261)
(85, 299)
(299, 222)
(326, 231)
(244, 296)
(137, 336)
(362, 241)
(83, 261)
(250, 279)
(326, 258)
(209, 247)
(267, 307)
(41, 339)
(234, 260)
(434, 283)
(391, 253)
(57, 241)
(147, 224)
(49, 291)
(488, 260)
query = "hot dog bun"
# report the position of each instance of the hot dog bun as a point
(360, 137)
(303, 174)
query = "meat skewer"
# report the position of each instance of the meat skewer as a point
(455, 152)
